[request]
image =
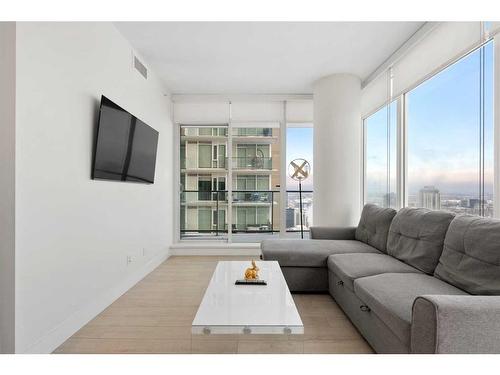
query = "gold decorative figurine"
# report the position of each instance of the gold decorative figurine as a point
(252, 273)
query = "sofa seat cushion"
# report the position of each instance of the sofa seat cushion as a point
(416, 237)
(373, 226)
(349, 267)
(391, 295)
(471, 255)
(310, 253)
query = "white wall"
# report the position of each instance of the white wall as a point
(7, 184)
(337, 150)
(74, 234)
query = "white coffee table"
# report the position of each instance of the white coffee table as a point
(227, 308)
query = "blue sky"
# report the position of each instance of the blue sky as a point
(443, 130)
(299, 145)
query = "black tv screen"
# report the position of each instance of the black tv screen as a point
(125, 148)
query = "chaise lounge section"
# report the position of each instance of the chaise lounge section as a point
(415, 281)
(304, 263)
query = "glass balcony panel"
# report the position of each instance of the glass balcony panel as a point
(204, 215)
(252, 132)
(255, 215)
(253, 196)
(292, 215)
(253, 162)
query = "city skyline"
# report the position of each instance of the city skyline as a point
(443, 132)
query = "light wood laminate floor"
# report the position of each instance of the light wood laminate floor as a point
(155, 317)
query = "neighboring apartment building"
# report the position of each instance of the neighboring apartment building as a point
(205, 170)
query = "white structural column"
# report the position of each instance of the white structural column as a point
(337, 150)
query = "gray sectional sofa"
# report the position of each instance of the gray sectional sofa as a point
(413, 281)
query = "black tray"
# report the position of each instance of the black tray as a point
(250, 282)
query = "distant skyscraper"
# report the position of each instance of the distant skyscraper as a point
(473, 203)
(429, 197)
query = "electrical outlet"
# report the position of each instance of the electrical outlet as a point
(129, 259)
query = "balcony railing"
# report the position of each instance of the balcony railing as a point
(253, 132)
(214, 224)
(214, 164)
(239, 196)
(191, 196)
(253, 162)
(247, 162)
(217, 200)
(244, 196)
(204, 132)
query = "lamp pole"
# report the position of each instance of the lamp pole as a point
(298, 170)
(300, 209)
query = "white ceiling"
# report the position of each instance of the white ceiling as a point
(262, 57)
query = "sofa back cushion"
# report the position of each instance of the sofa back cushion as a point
(374, 226)
(416, 237)
(471, 255)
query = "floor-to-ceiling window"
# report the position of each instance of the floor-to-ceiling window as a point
(233, 161)
(254, 167)
(256, 179)
(381, 156)
(446, 140)
(203, 176)
(449, 137)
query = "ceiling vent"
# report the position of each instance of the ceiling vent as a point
(139, 66)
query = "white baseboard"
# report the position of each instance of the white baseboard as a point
(210, 249)
(52, 340)
(215, 252)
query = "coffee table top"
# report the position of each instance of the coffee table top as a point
(227, 308)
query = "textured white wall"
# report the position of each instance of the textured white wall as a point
(337, 150)
(74, 234)
(7, 183)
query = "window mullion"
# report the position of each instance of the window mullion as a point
(496, 132)
(482, 131)
(402, 145)
(283, 195)
(229, 184)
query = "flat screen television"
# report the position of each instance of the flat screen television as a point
(125, 147)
